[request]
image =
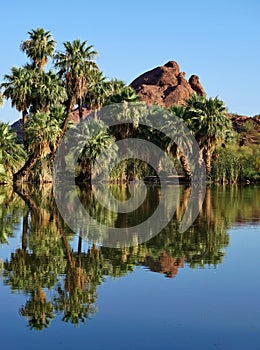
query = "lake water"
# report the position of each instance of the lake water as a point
(193, 290)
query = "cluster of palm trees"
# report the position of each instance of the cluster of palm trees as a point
(46, 99)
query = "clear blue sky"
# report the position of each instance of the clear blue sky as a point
(217, 40)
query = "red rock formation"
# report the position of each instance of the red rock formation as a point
(166, 85)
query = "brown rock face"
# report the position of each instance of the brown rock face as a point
(166, 85)
(247, 127)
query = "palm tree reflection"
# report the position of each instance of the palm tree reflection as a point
(59, 280)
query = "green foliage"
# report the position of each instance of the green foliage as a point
(93, 139)
(125, 93)
(250, 132)
(97, 92)
(11, 208)
(208, 120)
(18, 87)
(35, 90)
(12, 154)
(48, 91)
(131, 169)
(43, 130)
(236, 164)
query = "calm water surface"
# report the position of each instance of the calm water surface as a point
(195, 290)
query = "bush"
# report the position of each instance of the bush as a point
(236, 164)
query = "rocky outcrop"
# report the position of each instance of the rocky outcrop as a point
(196, 85)
(166, 85)
(18, 128)
(247, 127)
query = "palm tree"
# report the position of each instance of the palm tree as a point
(209, 121)
(18, 88)
(43, 132)
(98, 92)
(11, 153)
(47, 92)
(116, 85)
(75, 67)
(92, 140)
(120, 92)
(39, 47)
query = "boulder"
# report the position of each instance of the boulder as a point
(166, 85)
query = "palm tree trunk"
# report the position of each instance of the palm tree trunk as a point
(23, 127)
(65, 123)
(25, 230)
(80, 242)
(67, 248)
(80, 109)
(208, 206)
(64, 128)
(185, 167)
(23, 173)
(24, 117)
(207, 157)
(85, 173)
(24, 194)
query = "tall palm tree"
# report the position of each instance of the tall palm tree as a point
(39, 47)
(209, 121)
(18, 88)
(75, 66)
